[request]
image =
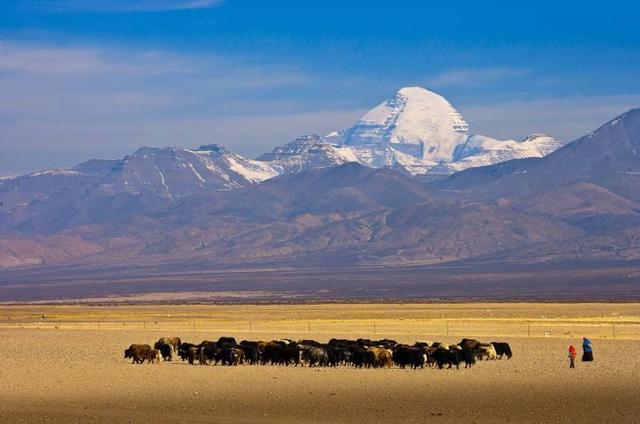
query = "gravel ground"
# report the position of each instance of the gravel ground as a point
(81, 376)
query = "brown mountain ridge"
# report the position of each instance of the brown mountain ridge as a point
(580, 203)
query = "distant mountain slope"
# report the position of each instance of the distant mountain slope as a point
(102, 190)
(306, 153)
(482, 151)
(346, 189)
(592, 184)
(342, 215)
(183, 208)
(21, 250)
(608, 157)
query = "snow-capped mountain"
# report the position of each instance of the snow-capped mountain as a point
(416, 122)
(175, 172)
(169, 172)
(305, 153)
(182, 207)
(417, 131)
(480, 150)
(100, 190)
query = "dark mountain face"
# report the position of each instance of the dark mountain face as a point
(350, 187)
(347, 215)
(592, 184)
(51, 202)
(345, 189)
(344, 216)
(100, 191)
(608, 157)
(182, 208)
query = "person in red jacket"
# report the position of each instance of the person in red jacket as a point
(572, 356)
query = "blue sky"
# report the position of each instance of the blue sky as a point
(82, 79)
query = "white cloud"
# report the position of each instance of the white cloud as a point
(59, 105)
(44, 82)
(91, 102)
(120, 5)
(474, 77)
(53, 61)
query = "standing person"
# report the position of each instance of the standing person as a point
(572, 356)
(587, 350)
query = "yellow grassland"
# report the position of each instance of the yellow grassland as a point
(555, 320)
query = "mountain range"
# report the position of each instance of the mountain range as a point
(417, 132)
(354, 198)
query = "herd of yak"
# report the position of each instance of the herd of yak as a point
(358, 353)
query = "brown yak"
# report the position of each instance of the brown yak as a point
(141, 352)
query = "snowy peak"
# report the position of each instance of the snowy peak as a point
(416, 131)
(214, 148)
(301, 145)
(535, 138)
(420, 132)
(480, 150)
(208, 167)
(307, 152)
(416, 122)
(170, 172)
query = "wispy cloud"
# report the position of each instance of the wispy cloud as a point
(60, 105)
(72, 103)
(474, 77)
(36, 80)
(24, 59)
(119, 5)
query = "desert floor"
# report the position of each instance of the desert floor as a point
(79, 374)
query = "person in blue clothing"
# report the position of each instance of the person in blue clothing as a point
(587, 350)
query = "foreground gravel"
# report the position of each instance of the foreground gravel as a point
(81, 376)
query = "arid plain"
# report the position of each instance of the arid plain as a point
(65, 364)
